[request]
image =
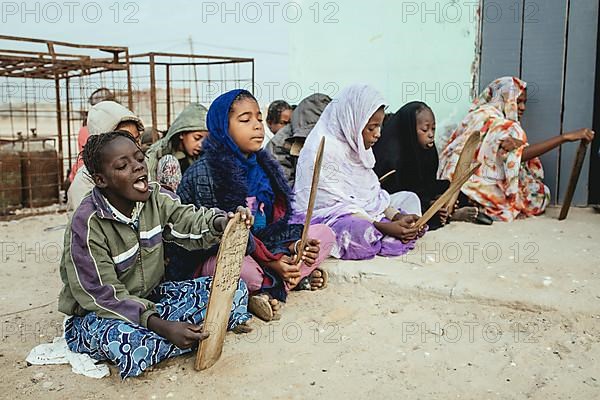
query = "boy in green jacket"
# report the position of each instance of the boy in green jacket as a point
(113, 263)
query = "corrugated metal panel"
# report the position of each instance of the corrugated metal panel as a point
(501, 46)
(530, 40)
(542, 69)
(579, 90)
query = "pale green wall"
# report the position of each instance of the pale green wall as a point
(394, 46)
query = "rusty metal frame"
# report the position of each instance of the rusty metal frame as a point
(79, 60)
(57, 66)
(51, 64)
(154, 59)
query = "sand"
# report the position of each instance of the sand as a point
(510, 311)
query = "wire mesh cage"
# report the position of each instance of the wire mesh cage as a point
(47, 87)
(165, 83)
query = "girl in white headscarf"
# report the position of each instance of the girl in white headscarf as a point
(366, 219)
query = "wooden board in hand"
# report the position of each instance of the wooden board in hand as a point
(455, 186)
(577, 164)
(225, 282)
(311, 199)
(464, 162)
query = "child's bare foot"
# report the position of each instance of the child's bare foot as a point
(318, 279)
(465, 214)
(264, 307)
(276, 307)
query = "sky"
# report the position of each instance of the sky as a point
(226, 28)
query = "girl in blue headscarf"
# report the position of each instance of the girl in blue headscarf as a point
(234, 170)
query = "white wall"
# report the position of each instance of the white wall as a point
(421, 50)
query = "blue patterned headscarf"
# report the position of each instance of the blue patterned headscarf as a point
(217, 121)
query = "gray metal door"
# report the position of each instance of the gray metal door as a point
(551, 44)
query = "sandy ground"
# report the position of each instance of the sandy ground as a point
(510, 311)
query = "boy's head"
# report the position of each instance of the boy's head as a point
(118, 167)
(279, 115)
(246, 123)
(108, 116)
(133, 129)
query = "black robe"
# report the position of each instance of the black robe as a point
(416, 168)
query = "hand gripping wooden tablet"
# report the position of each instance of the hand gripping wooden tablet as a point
(225, 282)
(577, 164)
(443, 199)
(311, 199)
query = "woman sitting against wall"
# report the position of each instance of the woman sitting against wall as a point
(508, 185)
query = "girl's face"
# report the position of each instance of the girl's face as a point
(191, 142)
(521, 103)
(372, 131)
(425, 128)
(124, 175)
(246, 126)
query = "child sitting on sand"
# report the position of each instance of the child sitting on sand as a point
(407, 145)
(366, 219)
(112, 265)
(232, 170)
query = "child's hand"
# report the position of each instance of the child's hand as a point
(311, 252)
(286, 268)
(580, 134)
(443, 214)
(221, 221)
(246, 215)
(406, 229)
(182, 334)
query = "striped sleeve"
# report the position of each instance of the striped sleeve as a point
(190, 227)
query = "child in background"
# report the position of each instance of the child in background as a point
(279, 115)
(171, 156)
(106, 116)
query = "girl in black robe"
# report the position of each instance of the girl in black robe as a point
(407, 145)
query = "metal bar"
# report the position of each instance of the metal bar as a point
(189, 63)
(129, 92)
(153, 99)
(163, 54)
(68, 120)
(58, 119)
(66, 44)
(168, 69)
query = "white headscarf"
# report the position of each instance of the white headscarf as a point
(348, 184)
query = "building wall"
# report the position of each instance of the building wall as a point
(407, 50)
